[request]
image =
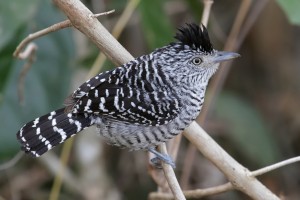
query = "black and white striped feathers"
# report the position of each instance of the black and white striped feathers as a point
(136, 93)
(43, 133)
(138, 105)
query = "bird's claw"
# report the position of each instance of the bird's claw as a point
(156, 161)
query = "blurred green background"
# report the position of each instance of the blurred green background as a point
(255, 118)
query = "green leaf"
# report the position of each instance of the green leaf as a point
(247, 129)
(46, 84)
(291, 9)
(14, 14)
(156, 26)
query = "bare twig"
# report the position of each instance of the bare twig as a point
(12, 162)
(53, 28)
(275, 166)
(38, 34)
(29, 54)
(193, 194)
(206, 11)
(173, 147)
(170, 176)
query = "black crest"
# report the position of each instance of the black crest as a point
(195, 37)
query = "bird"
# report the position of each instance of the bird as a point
(139, 104)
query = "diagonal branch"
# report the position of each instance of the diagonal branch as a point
(238, 175)
(170, 176)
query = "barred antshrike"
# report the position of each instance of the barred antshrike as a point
(138, 105)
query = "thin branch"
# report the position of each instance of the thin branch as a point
(275, 166)
(193, 194)
(206, 11)
(170, 176)
(12, 162)
(53, 28)
(38, 34)
(29, 54)
(173, 147)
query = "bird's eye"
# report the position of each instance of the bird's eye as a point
(197, 61)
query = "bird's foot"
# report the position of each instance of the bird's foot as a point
(156, 161)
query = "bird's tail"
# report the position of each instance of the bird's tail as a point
(42, 134)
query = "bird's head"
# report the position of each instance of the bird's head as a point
(193, 54)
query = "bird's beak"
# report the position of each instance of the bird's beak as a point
(224, 55)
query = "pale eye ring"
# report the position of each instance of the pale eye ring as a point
(197, 61)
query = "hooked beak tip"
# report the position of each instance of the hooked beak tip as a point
(224, 56)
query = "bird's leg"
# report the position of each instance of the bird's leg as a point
(161, 157)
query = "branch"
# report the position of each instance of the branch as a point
(275, 166)
(239, 176)
(170, 176)
(199, 193)
(206, 11)
(61, 25)
(193, 194)
(29, 54)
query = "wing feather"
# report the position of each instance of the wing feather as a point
(127, 94)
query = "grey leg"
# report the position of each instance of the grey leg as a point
(161, 157)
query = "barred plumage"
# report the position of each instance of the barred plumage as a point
(138, 105)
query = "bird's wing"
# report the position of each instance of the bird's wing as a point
(127, 94)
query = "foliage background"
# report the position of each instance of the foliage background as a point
(256, 117)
